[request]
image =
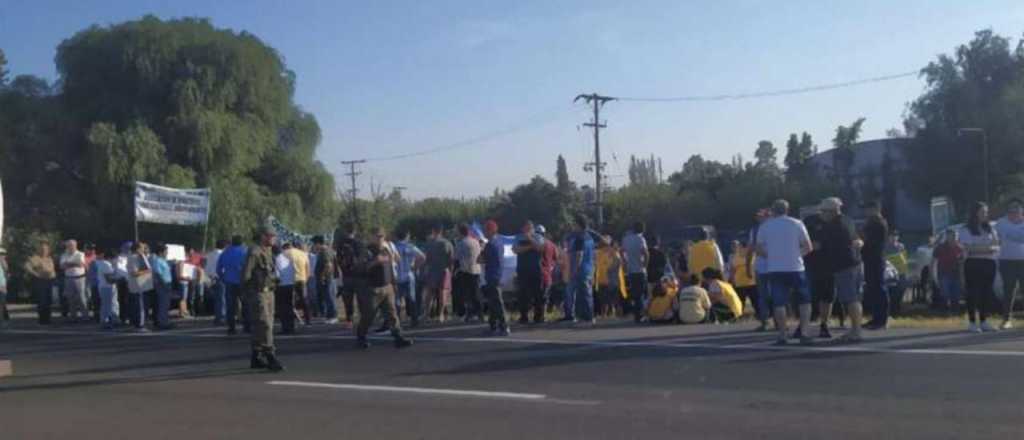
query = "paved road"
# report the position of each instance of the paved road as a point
(617, 381)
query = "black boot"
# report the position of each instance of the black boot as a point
(273, 364)
(257, 362)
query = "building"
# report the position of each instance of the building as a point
(876, 171)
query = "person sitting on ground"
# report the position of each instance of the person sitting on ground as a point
(725, 303)
(664, 305)
(694, 303)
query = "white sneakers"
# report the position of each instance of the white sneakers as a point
(973, 328)
(1007, 325)
(331, 321)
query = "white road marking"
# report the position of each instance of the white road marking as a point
(413, 390)
(862, 348)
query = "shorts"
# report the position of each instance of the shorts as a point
(823, 288)
(782, 284)
(847, 284)
(437, 280)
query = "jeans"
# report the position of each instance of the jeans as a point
(1012, 272)
(950, 288)
(312, 298)
(108, 305)
(327, 292)
(764, 298)
(636, 284)
(875, 292)
(407, 297)
(583, 292)
(530, 296)
(235, 304)
(163, 305)
(495, 306)
(217, 296)
(979, 276)
(467, 291)
(136, 309)
(284, 307)
(43, 291)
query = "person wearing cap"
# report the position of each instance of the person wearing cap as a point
(4, 316)
(259, 280)
(875, 235)
(782, 241)
(839, 248)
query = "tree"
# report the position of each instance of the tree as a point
(565, 186)
(844, 157)
(981, 85)
(766, 156)
(799, 153)
(537, 201)
(3, 68)
(644, 171)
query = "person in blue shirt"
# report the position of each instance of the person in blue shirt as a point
(410, 259)
(581, 271)
(491, 257)
(162, 285)
(229, 270)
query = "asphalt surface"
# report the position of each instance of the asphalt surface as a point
(616, 381)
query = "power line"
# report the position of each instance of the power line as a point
(783, 92)
(596, 101)
(528, 123)
(355, 190)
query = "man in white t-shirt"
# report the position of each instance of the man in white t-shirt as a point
(72, 262)
(216, 287)
(634, 247)
(1011, 256)
(782, 241)
(106, 281)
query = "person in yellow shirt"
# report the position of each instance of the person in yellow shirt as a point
(300, 260)
(664, 305)
(608, 277)
(741, 276)
(725, 303)
(704, 254)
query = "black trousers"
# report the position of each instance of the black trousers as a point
(875, 292)
(979, 276)
(1012, 272)
(636, 285)
(466, 294)
(42, 290)
(531, 296)
(495, 306)
(751, 293)
(124, 311)
(284, 307)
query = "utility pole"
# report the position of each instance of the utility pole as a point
(354, 191)
(597, 101)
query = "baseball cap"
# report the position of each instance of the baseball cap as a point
(830, 204)
(540, 229)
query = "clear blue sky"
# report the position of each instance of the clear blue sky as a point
(389, 77)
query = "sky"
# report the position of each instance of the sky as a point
(489, 85)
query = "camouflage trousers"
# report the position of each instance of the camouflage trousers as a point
(261, 312)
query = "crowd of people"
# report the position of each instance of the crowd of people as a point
(783, 266)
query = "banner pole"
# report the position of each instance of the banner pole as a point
(206, 224)
(135, 209)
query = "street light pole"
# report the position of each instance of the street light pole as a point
(984, 152)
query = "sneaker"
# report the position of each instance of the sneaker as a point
(362, 344)
(383, 330)
(331, 321)
(973, 328)
(850, 338)
(761, 328)
(780, 342)
(798, 334)
(505, 332)
(402, 343)
(825, 334)
(987, 328)
(1007, 325)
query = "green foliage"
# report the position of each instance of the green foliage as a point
(3, 68)
(644, 171)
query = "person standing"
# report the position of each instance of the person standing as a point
(325, 271)
(106, 278)
(875, 237)
(140, 284)
(1011, 257)
(606, 278)
(42, 274)
(758, 269)
(216, 285)
(981, 243)
(348, 250)
(657, 262)
(440, 254)
(548, 261)
(229, 271)
(581, 270)
(121, 274)
(704, 253)
(4, 315)
(259, 279)
(839, 248)
(284, 293)
(380, 292)
(72, 263)
(634, 248)
(412, 258)
(467, 275)
(947, 265)
(492, 257)
(741, 277)
(782, 242)
(820, 277)
(162, 284)
(296, 253)
(530, 276)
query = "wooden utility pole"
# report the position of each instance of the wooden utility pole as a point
(597, 101)
(354, 190)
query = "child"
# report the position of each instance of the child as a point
(693, 302)
(106, 280)
(725, 303)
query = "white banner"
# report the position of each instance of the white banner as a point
(159, 204)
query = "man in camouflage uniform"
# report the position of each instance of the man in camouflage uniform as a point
(259, 279)
(379, 292)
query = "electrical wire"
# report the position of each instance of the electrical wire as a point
(765, 94)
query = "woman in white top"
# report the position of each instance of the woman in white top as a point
(981, 245)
